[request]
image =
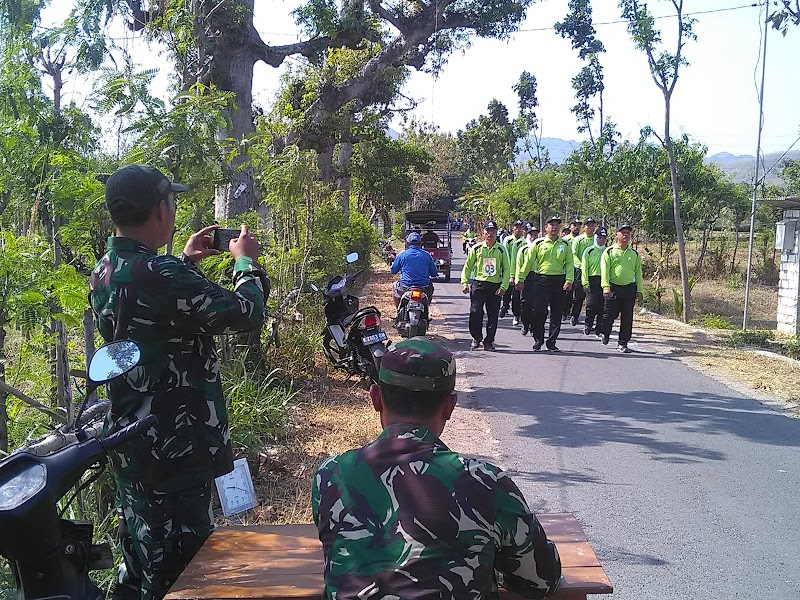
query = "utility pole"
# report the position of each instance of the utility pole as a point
(755, 177)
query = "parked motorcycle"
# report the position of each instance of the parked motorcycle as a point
(353, 338)
(51, 557)
(412, 313)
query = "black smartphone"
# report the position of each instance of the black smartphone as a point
(222, 238)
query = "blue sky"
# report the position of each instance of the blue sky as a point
(715, 101)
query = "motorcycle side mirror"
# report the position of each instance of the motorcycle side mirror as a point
(108, 362)
(351, 258)
(112, 360)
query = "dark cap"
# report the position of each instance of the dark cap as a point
(601, 232)
(137, 188)
(531, 227)
(624, 226)
(413, 238)
(518, 222)
(575, 220)
(553, 218)
(589, 220)
(490, 225)
(419, 364)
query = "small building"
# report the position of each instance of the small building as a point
(787, 240)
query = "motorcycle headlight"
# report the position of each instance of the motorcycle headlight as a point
(22, 486)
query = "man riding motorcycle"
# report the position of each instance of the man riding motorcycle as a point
(466, 237)
(416, 268)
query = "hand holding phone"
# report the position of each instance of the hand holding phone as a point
(222, 238)
(244, 244)
(200, 244)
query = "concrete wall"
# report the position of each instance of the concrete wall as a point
(789, 284)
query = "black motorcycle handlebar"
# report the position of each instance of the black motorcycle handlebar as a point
(124, 434)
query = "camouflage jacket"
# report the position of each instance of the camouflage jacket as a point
(172, 311)
(406, 517)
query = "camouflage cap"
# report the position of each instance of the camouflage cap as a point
(419, 364)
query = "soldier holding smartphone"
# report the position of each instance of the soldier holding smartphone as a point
(163, 478)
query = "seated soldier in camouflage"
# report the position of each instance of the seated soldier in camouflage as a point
(163, 478)
(406, 517)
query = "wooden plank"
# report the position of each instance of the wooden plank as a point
(577, 554)
(562, 527)
(285, 562)
(592, 580)
(244, 585)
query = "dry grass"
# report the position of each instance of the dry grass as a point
(714, 297)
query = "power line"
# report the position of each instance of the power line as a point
(701, 12)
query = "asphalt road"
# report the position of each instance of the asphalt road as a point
(686, 488)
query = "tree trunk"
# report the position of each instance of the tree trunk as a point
(344, 180)
(325, 164)
(703, 248)
(676, 203)
(3, 394)
(232, 71)
(735, 248)
(88, 342)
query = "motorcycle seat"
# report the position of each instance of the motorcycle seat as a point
(360, 313)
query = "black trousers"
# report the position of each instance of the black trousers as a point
(526, 302)
(513, 298)
(620, 304)
(578, 295)
(594, 303)
(483, 294)
(547, 293)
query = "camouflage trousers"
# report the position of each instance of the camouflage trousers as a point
(159, 534)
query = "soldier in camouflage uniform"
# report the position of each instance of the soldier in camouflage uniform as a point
(406, 517)
(164, 477)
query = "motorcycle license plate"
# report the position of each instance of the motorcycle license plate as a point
(414, 306)
(375, 338)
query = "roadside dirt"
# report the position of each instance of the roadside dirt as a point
(336, 415)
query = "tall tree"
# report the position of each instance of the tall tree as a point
(526, 125)
(664, 69)
(225, 46)
(487, 143)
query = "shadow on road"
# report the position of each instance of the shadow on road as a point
(637, 417)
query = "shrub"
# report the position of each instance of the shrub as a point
(750, 337)
(714, 321)
(257, 405)
(735, 281)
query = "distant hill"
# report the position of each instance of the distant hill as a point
(742, 168)
(738, 168)
(558, 149)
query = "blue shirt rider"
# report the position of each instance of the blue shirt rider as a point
(416, 268)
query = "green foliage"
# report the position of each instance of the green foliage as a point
(735, 281)
(750, 337)
(383, 172)
(488, 143)
(677, 296)
(713, 321)
(257, 404)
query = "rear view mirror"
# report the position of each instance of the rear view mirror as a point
(351, 258)
(114, 359)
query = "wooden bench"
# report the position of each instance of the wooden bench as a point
(284, 562)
